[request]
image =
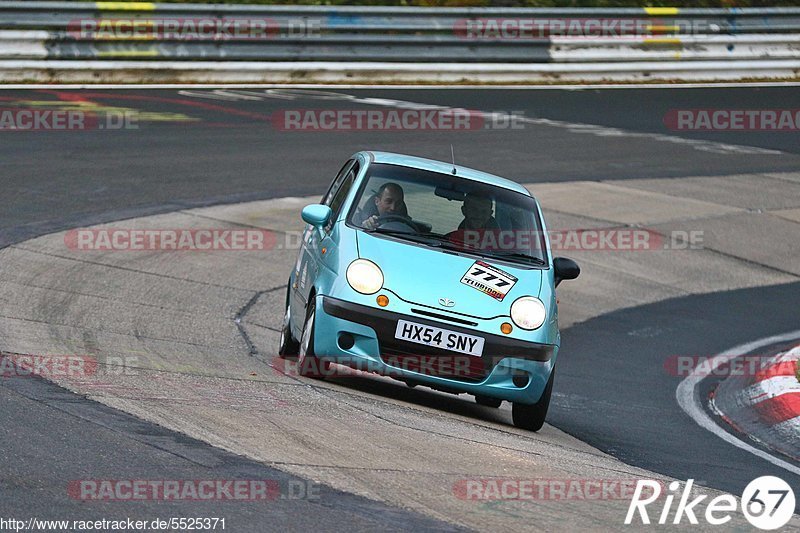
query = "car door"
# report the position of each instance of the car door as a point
(308, 260)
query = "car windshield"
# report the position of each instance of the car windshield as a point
(450, 212)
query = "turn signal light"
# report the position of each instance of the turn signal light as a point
(506, 328)
(382, 300)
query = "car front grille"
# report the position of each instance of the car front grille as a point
(439, 316)
(456, 366)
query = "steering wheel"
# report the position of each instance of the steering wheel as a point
(396, 223)
(387, 219)
(400, 222)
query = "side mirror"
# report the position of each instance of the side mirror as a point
(317, 215)
(565, 269)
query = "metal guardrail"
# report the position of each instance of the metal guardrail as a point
(42, 14)
(57, 32)
(392, 34)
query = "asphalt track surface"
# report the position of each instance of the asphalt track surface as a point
(191, 151)
(198, 151)
(53, 437)
(613, 384)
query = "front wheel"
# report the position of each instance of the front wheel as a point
(308, 364)
(531, 417)
(289, 346)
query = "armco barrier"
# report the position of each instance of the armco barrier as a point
(127, 41)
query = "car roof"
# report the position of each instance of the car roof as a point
(446, 168)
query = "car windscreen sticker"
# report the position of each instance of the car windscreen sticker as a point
(488, 279)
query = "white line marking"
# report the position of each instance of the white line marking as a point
(572, 127)
(608, 131)
(689, 398)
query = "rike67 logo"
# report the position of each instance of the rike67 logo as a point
(767, 503)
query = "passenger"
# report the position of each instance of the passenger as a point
(478, 215)
(478, 221)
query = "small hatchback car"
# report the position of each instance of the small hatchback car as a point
(433, 274)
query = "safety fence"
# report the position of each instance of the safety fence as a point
(108, 41)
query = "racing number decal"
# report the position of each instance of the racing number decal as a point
(489, 280)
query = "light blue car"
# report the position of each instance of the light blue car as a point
(433, 274)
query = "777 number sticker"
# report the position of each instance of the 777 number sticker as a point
(489, 280)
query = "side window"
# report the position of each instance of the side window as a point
(337, 182)
(341, 194)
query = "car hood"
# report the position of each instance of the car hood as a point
(423, 275)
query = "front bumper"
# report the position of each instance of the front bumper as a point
(363, 337)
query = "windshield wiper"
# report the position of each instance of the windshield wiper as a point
(515, 255)
(446, 242)
(423, 239)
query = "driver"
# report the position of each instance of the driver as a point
(387, 201)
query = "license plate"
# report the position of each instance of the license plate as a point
(439, 338)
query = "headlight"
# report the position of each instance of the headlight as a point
(365, 276)
(528, 312)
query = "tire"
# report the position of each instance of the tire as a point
(531, 417)
(488, 401)
(289, 345)
(308, 364)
